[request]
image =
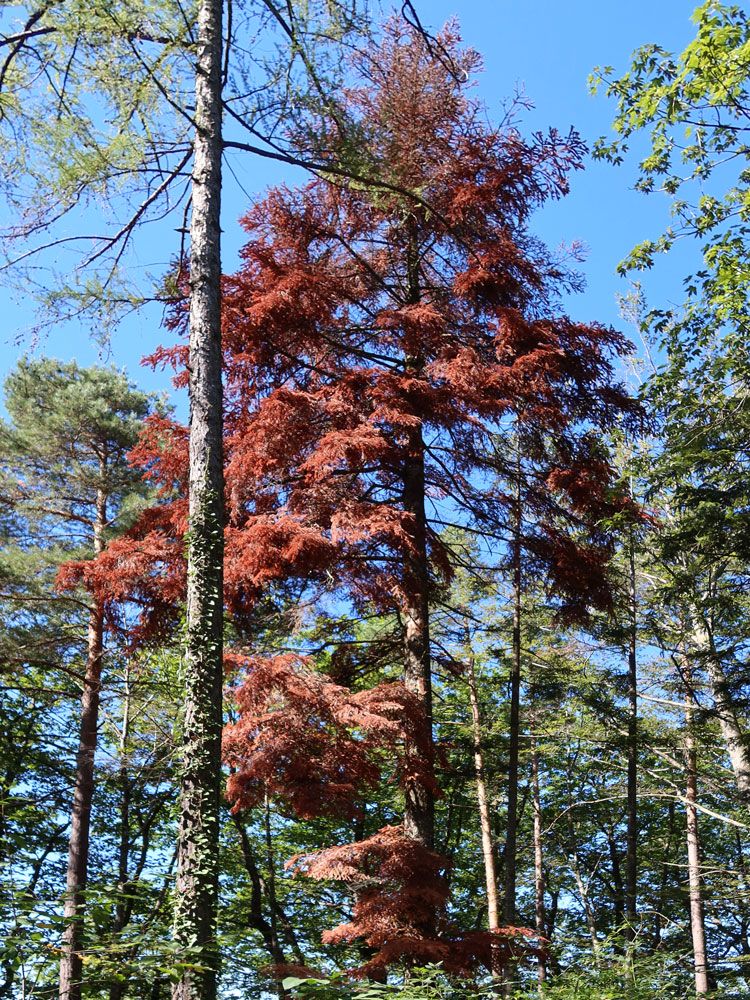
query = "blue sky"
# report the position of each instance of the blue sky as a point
(548, 47)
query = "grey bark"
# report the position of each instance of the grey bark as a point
(511, 834)
(697, 924)
(631, 853)
(196, 888)
(488, 848)
(71, 964)
(117, 989)
(734, 738)
(538, 835)
(509, 900)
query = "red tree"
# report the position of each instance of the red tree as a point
(375, 341)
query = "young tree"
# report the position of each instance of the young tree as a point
(66, 475)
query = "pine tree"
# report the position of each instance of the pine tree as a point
(67, 480)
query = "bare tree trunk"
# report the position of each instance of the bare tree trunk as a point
(419, 805)
(488, 850)
(539, 914)
(117, 989)
(697, 925)
(511, 835)
(71, 964)
(509, 900)
(619, 894)
(661, 901)
(271, 868)
(631, 853)
(196, 889)
(575, 864)
(734, 739)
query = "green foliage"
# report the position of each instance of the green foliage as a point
(96, 129)
(428, 983)
(693, 108)
(622, 977)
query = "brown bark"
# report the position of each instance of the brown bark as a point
(196, 888)
(71, 964)
(419, 805)
(697, 924)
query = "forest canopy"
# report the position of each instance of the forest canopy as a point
(413, 661)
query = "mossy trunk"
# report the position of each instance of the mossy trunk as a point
(196, 888)
(419, 804)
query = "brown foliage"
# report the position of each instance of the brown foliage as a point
(315, 745)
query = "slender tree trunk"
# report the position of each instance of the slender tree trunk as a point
(619, 894)
(271, 868)
(71, 964)
(734, 738)
(539, 914)
(488, 849)
(117, 990)
(575, 864)
(511, 833)
(509, 900)
(661, 901)
(196, 889)
(419, 805)
(631, 853)
(697, 924)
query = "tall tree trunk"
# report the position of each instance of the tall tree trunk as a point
(117, 989)
(488, 849)
(619, 894)
(631, 855)
(662, 898)
(575, 864)
(539, 914)
(419, 805)
(511, 833)
(71, 964)
(271, 869)
(509, 899)
(734, 738)
(196, 889)
(697, 925)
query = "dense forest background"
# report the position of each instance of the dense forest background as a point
(465, 579)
